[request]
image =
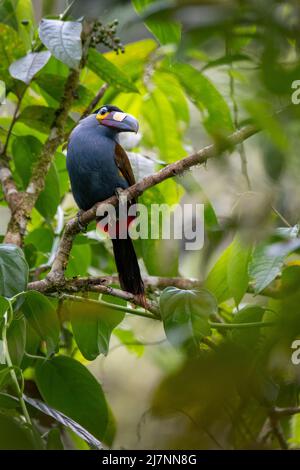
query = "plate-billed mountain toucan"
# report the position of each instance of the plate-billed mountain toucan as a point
(98, 166)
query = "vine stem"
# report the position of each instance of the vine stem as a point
(257, 324)
(7, 319)
(121, 308)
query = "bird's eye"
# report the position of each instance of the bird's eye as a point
(103, 111)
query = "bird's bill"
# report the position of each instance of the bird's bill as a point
(118, 120)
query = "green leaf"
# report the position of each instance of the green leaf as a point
(264, 268)
(13, 12)
(14, 436)
(63, 419)
(161, 256)
(4, 305)
(64, 383)
(49, 198)
(92, 326)
(54, 441)
(79, 261)
(185, 315)
(7, 14)
(109, 72)
(166, 134)
(295, 431)
(4, 375)
(16, 340)
(54, 85)
(237, 269)
(41, 315)
(247, 338)
(8, 402)
(63, 39)
(13, 270)
(172, 90)
(130, 341)
(217, 280)
(135, 57)
(11, 48)
(24, 69)
(207, 98)
(41, 118)
(26, 151)
(166, 31)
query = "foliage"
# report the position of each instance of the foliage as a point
(192, 82)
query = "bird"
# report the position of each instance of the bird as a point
(99, 168)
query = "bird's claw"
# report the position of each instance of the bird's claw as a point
(118, 193)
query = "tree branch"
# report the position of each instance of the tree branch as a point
(26, 201)
(94, 101)
(56, 275)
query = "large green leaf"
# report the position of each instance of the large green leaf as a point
(161, 256)
(63, 39)
(11, 48)
(132, 62)
(166, 31)
(237, 269)
(109, 72)
(267, 260)
(264, 268)
(64, 420)
(164, 123)
(49, 198)
(217, 281)
(204, 94)
(26, 151)
(7, 14)
(41, 315)
(14, 436)
(19, 15)
(16, 339)
(68, 386)
(13, 270)
(92, 326)
(54, 85)
(170, 86)
(247, 338)
(79, 261)
(40, 118)
(185, 315)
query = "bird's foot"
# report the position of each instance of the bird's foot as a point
(83, 228)
(118, 193)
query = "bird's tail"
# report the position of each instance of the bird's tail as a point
(128, 267)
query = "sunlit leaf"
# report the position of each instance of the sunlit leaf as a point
(167, 32)
(63, 39)
(24, 69)
(217, 117)
(237, 270)
(109, 72)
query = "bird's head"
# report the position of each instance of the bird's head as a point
(113, 117)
